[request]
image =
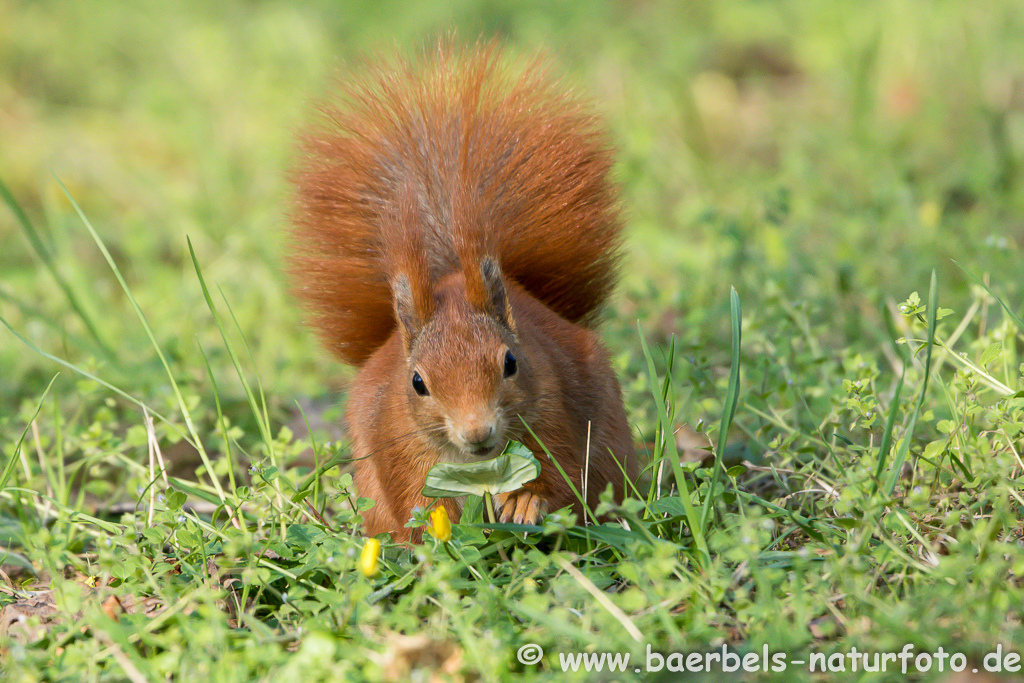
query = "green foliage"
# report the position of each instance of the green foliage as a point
(835, 465)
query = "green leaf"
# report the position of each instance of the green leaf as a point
(507, 472)
(736, 470)
(187, 538)
(991, 353)
(614, 536)
(303, 536)
(194, 491)
(847, 523)
(175, 499)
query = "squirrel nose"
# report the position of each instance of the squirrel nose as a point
(478, 435)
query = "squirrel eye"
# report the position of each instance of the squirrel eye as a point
(510, 364)
(418, 385)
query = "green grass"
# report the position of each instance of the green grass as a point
(823, 292)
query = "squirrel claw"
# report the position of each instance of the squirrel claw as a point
(520, 507)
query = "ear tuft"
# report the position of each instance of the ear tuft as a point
(409, 319)
(497, 302)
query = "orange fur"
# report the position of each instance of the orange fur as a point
(452, 212)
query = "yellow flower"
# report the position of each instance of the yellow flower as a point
(930, 214)
(368, 558)
(440, 526)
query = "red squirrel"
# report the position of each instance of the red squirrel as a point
(455, 237)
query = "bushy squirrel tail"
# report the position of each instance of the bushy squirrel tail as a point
(424, 167)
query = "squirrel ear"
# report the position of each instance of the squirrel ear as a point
(497, 297)
(409, 321)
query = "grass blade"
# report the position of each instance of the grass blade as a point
(12, 463)
(228, 453)
(731, 401)
(670, 452)
(904, 449)
(28, 311)
(561, 470)
(44, 255)
(262, 419)
(152, 338)
(601, 597)
(94, 378)
(883, 447)
(250, 396)
(252, 361)
(1013, 316)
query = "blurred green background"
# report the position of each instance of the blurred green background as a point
(823, 155)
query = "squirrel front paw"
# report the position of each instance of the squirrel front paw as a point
(520, 506)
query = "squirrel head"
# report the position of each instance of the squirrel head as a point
(466, 378)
